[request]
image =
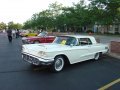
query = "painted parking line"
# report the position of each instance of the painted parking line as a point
(110, 84)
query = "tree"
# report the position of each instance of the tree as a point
(55, 9)
(2, 26)
(18, 26)
(27, 24)
(105, 11)
(75, 17)
(44, 19)
(12, 25)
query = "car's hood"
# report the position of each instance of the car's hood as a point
(47, 47)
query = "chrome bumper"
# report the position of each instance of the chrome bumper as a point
(36, 60)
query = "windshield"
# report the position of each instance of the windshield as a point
(65, 40)
(42, 34)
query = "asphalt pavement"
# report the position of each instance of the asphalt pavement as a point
(16, 74)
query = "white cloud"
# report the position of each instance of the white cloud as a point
(21, 10)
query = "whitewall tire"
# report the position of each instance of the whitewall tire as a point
(58, 64)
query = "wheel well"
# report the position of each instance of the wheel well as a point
(65, 58)
(100, 54)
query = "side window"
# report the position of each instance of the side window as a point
(71, 41)
(84, 41)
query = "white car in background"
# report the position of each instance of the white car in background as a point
(65, 49)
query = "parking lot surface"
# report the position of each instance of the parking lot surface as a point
(16, 74)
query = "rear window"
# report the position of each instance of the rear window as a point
(84, 41)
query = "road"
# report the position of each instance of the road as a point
(16, 74)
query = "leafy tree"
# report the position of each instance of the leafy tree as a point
(77, 16)
(105, 11)
(13, 25)
(18, 26)
(2, 26)
(55, 9)
(44, 19)
(27, 25)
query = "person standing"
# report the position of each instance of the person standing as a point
(17, 33)
(9, 34)
(13, 33)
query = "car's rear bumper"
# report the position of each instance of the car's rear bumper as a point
(36, 60)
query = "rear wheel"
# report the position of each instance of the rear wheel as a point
(58, 64)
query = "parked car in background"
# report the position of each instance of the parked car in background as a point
(26, 33)
(40, 38)
(65, 49)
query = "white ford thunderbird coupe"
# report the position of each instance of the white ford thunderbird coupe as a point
(64, 49)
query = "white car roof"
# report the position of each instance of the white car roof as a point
(82, 36)
(79, 36)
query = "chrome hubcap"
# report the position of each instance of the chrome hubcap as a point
(59, 64)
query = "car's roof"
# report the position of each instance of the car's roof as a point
(78, 36)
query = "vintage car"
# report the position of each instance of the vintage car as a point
(41, 38)
(26, 33)
(65, 49)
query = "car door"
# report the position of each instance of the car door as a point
(49, 39)
(82, 51)
(43, 39)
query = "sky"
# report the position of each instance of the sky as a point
(19, 11)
